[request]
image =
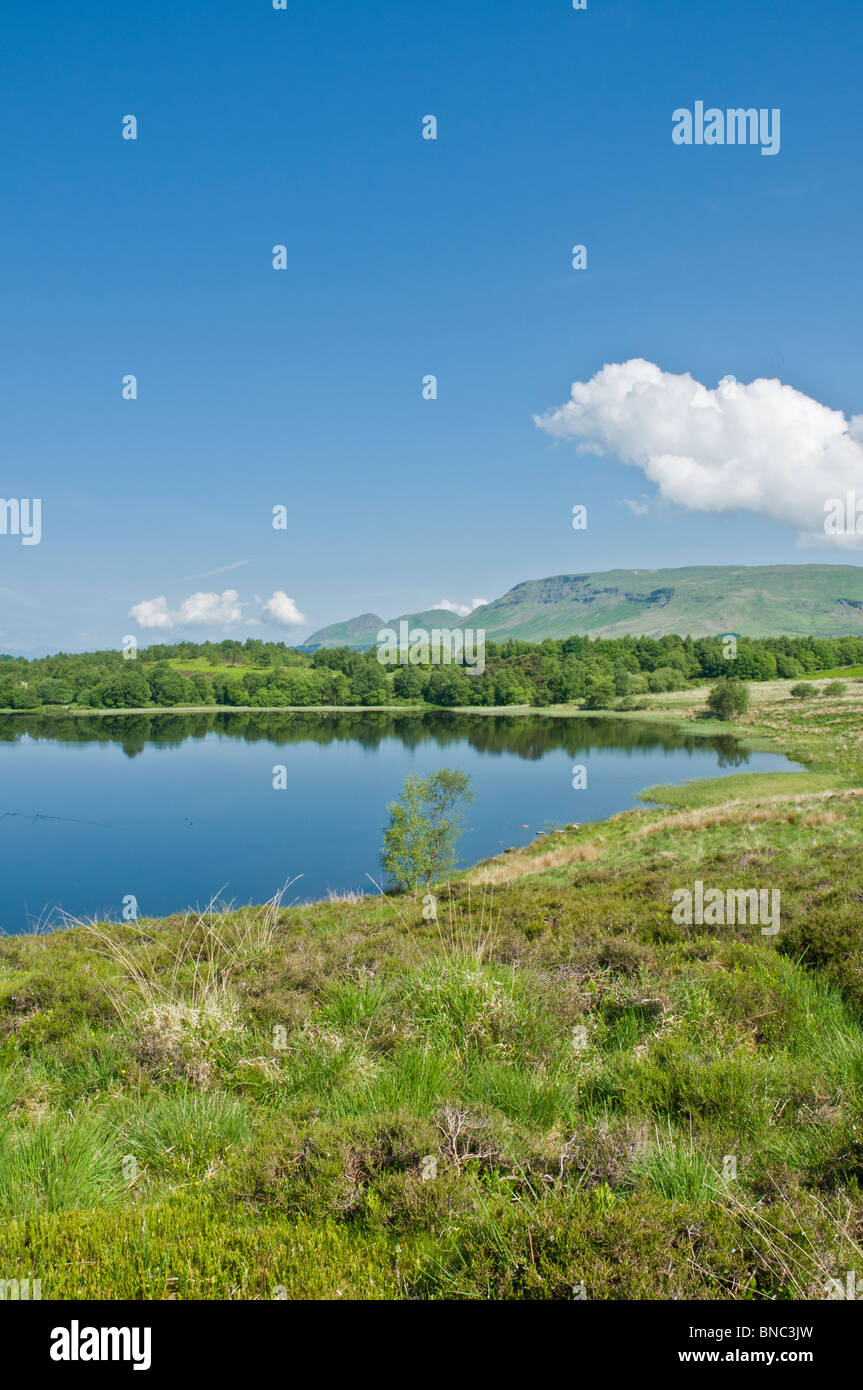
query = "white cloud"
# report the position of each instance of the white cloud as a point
(637, 505)
(460, 609)
(152, 612)
(763, 448)
(282, 609)
(223, 610)
(198, 610)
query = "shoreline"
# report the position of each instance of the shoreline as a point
(675, 714)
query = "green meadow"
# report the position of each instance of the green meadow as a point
(553, 1091)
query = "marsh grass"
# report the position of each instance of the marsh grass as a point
(675, 1169)
(184, 1136)
(61, 1163)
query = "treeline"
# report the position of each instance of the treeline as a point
(108, 680)
(602, 671)
(599, 672)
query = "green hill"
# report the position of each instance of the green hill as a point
(361, 633)
(760, 601)
(356, 632)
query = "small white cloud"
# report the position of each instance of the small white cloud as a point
(637, 505)
(764, 448)
(152, 612)
(281, 609)
(461, 610)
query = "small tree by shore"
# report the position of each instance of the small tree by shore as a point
(424, 824)
(728, 698)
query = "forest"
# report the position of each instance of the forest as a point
(602, 673)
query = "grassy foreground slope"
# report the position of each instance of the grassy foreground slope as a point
(545, 1094)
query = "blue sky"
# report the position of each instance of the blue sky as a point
(302, 387)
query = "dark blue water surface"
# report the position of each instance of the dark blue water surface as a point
(180, 809)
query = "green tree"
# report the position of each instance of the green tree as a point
(448, 685)
(203, 688)
(369, 684)
(600, 693)
(409, 682)
(728, 698)
(18, 696)
(788, 667)
(666, 678)
(424, 824)
(511, 687)
(334, 686)
(622, 681)
(804, 690)
(54, 692)
(125, 688)
(169, 686)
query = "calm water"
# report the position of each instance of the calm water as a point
(179, 809)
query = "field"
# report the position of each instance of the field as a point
(837, 673)
(554, 1091)
(188, 665)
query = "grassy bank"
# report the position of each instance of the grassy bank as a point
(553, 1091)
